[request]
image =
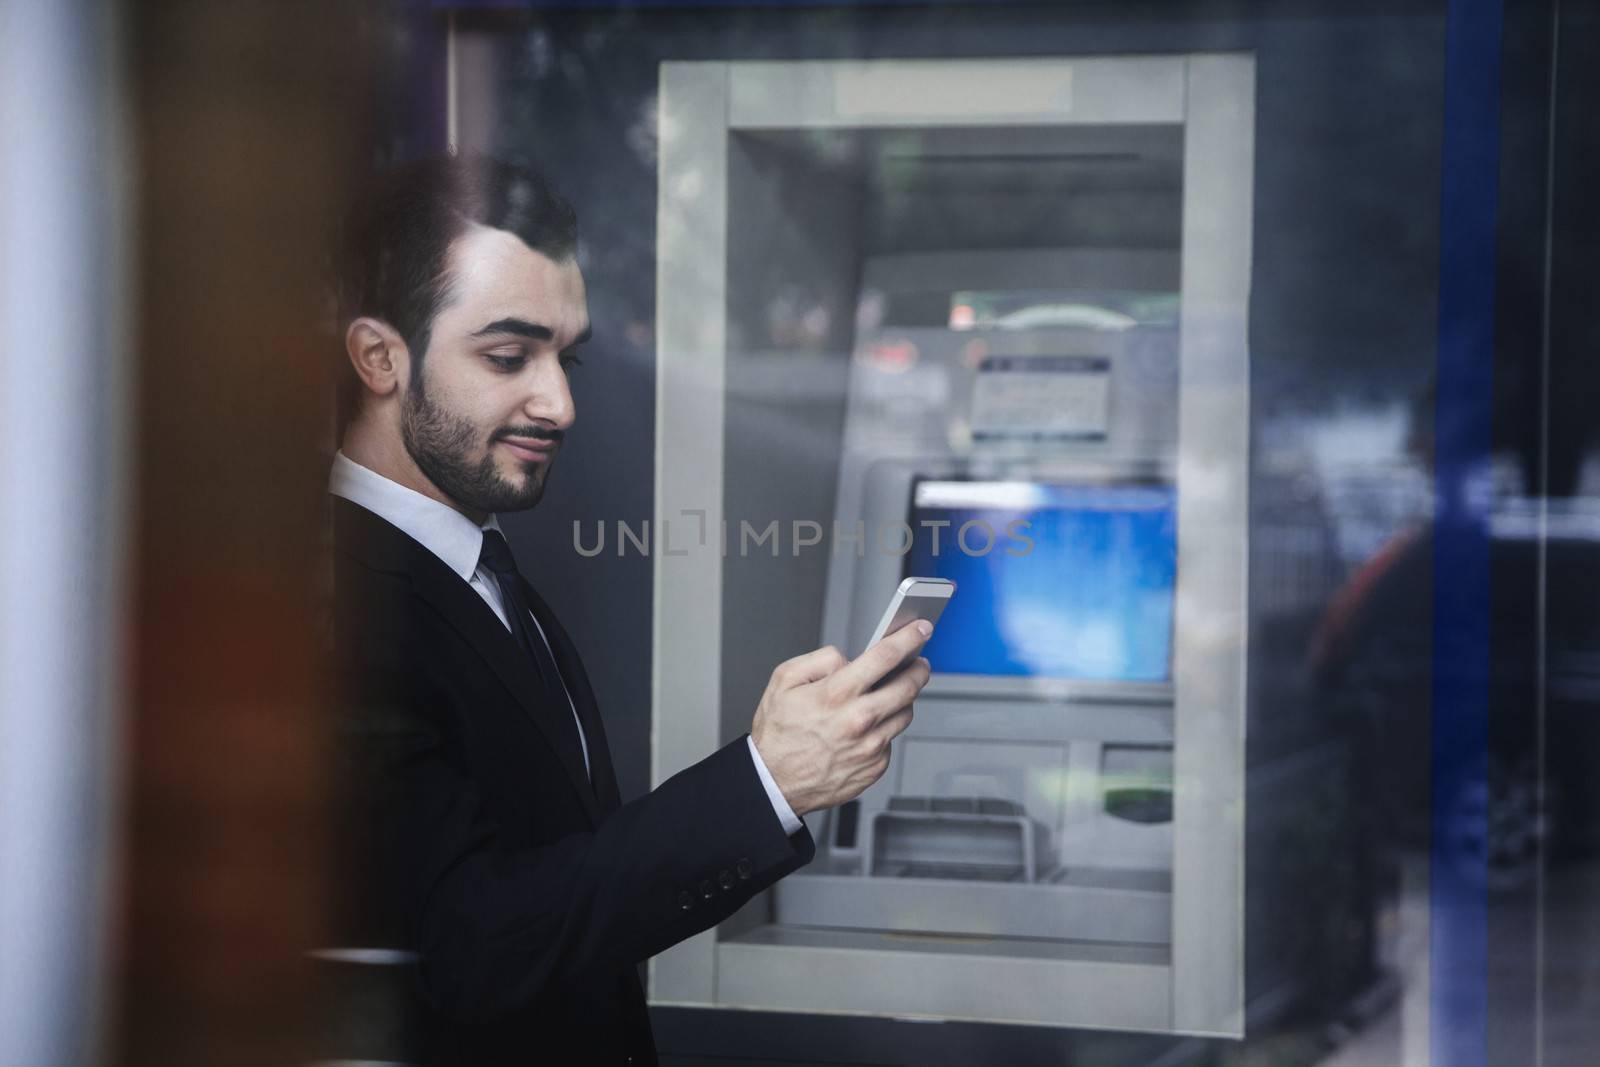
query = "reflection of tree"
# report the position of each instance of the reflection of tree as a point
(1344, 294)
(578, 100)
(577, 95)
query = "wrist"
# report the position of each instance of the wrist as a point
(788, 815)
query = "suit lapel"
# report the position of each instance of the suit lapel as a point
(383, 545)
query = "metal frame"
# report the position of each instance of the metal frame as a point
(1198, 986)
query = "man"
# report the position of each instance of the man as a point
(491, 840)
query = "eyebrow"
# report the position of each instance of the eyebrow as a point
(519, 327)
(534, 330)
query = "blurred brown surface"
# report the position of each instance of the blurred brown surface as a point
(244, 121)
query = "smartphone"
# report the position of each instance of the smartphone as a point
(917, 598)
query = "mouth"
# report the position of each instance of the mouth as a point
(530, 449)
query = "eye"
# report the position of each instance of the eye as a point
(570, 360)
(507, 364)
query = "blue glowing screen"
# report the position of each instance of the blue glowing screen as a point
(1076, 582)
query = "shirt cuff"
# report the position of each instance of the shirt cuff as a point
(791, 822)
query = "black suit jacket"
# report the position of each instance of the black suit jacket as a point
(477, 840)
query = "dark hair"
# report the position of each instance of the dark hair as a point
(393, 260)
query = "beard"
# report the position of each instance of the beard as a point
(444, 446)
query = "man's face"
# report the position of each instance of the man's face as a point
(488, 417)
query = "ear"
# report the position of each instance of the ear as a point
(378, 354)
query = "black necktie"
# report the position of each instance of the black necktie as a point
(496, 555)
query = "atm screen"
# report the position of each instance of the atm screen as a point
(1075, 582)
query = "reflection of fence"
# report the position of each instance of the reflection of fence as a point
(1310, 533)
(1369, 505)
(1293, 566)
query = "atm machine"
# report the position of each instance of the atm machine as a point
(983, 320)
(1032, 797)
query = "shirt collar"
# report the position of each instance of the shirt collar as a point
(439, 528)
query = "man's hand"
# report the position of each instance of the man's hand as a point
(824, 731)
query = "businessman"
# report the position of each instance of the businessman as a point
(489, 834)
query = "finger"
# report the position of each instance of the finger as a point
(811, 667)
(861, 673)
(895, 694)
(892, 726)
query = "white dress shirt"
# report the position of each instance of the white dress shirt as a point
(458, 541)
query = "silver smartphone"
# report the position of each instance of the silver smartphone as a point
(917, 598)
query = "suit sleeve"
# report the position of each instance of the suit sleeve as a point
(497, 925)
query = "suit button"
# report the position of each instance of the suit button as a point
(745, 868)
(685, 900)
(707, 890)
(725, 879)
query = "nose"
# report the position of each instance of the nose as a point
(550, 398)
